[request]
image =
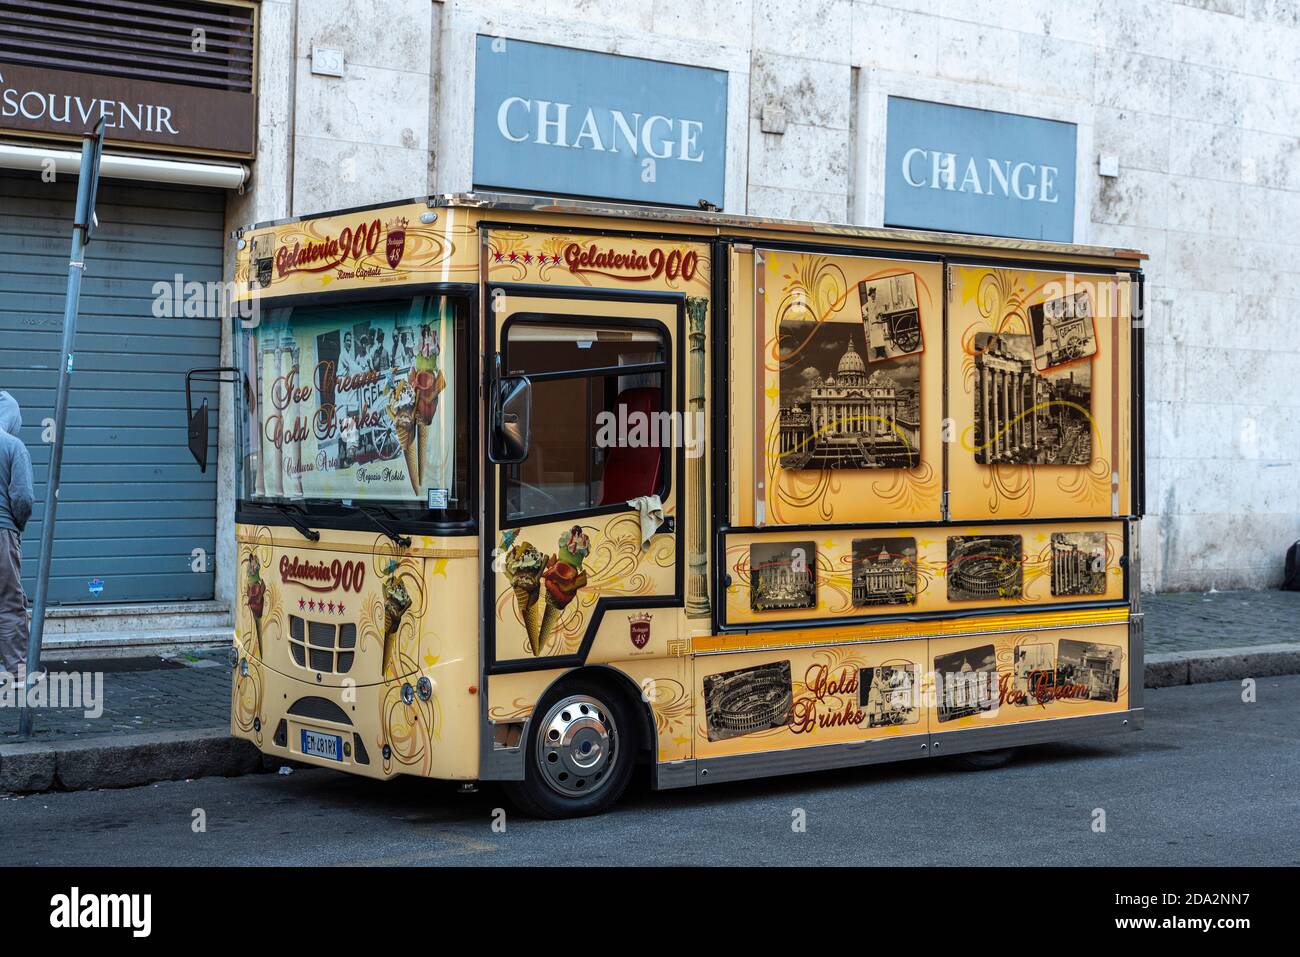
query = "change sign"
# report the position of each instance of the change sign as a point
(553, 120)
(977, 171)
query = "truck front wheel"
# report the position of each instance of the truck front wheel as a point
(581, 751)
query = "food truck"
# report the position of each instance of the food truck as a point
(543, 491)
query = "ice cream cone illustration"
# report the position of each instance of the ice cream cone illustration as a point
(396, 601)
(563, 578)
(428, 385)
(256, 600)
(401, 412)
(524, 565)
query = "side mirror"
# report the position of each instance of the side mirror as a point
(198, 436)
(196, 420)
(512, 405)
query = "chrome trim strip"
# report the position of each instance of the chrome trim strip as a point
(1033, 732)
(509, 202)
(669, 775)
(740, 767)
(1137, 672)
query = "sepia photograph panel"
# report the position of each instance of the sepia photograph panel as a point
(748, 700)
(891, 316)
(1062, 330)
(1093, 667)
(782, 575)
(1024, 416)
(838, 413)
(1078, 563)
(967, 682)
(982, 567)
(884, 571)
(888, 694)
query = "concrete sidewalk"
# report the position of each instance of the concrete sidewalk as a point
(167, 718)
(1194, 621)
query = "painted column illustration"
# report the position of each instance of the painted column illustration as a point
(1005, 418)
(697, 588)
(1033, 412)
(1020, 409)
(984, 408)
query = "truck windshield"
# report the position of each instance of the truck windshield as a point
(356, 401)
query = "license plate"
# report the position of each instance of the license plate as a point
(322, 745)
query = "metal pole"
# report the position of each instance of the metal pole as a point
(76, 266)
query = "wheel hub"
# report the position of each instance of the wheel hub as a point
(576, 746)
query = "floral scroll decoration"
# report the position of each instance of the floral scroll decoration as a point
(260, 618)
(518, 710)
(908, 490)
(670, 703)
(513, 253)
(1002, 299)
(391, 622)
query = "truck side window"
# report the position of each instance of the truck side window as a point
(600, 422)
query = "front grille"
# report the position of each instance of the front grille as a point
(322, 646)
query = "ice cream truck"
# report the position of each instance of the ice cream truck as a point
(543, 492)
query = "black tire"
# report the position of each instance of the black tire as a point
(557, 735)
(984, 760)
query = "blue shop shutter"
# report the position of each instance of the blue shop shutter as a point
(133, 504)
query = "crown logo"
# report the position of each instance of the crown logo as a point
(399, 223)
(638, 627)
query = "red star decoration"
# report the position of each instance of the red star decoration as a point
(514, 257)
(497, 255)
(302, 603)
(528, 257)
(331, 608)
(311, 605)
(556, 259)
(340, 608)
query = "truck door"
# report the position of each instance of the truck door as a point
(590, 386)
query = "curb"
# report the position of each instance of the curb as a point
(1175, 668)
(121, 761)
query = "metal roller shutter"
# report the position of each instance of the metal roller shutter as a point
(133, 504)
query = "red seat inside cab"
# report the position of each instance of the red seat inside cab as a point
(632, 472)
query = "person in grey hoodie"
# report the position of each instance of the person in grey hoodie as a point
(15, 510)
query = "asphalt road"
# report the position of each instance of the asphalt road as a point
(1211, 780)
